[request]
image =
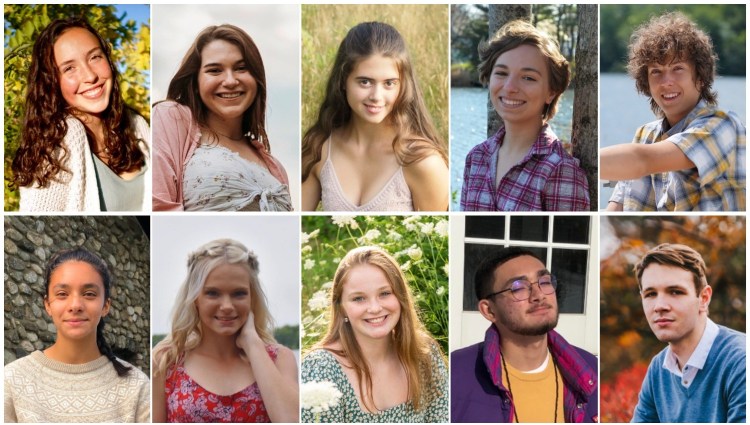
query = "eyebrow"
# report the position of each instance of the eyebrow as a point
(67, 286)
(60, 65)
(540, 273)
(208, 65)
(527, 68)
(388, 287)
(668, 288)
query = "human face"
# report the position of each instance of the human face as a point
(75, 300)
(372, 88)
(674, 88)
(368, 301)
(225, 83)
(673, 309)
(84, 72)
(519, 85)
(532, 317)
(224, 302)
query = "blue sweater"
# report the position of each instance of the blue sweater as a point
(716, 395)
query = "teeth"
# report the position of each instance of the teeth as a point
(375, 321)
(229, 95)
(511, 102)
(93, 92)
(670, 96)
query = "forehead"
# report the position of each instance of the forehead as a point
(364, 278)
(525, 265)
(75, 273)
(523, 56)
(376, 66)
(217, 51)
(72, 41)
(661, 276)
(229, 276)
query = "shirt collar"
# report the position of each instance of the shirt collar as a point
(701, 108)
(698, 359)
(542, 145)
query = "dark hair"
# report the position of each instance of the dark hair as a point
(676, 255)
(416, 137)
(484, 276)
(518, 33)
(669, 37)
(183, 88)
(38, 158)
(81, 254)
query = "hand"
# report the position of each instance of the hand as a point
(248, 334)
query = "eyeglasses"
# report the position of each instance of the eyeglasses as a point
(521, 288)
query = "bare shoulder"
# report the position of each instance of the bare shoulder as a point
(429, 166)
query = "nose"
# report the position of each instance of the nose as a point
(376, 92)
(88, 74)
(226, 304)
(75, 303)
(511, 84)
(374, 306)
(661, 303)
(535, 292)
(230, 79)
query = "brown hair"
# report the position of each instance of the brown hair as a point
(416, 137)
(515, 34)
(183, 88)
(676, 255)
(668, 38)
(39, 158)
(412, 342)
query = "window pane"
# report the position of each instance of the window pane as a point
(474, 254)
(571, 229)
(569, 266)
(485, 227)
(529, 228)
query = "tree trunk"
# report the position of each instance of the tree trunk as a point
(499, 15)
(584, 137)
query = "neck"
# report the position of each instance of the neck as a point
(218, 346)
(376, 351)
(231, 128)
(523, 352)
(519, 137)
(369, 134)
(684, 348)
(73, 351)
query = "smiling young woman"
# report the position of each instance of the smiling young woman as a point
(211, 150)
(82, 148)
(79, 371)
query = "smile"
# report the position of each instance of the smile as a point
(226, 319)
(511, 102)
(232, 95)
(93, 93)
(377, 320)
(670, 96)
(374, 109)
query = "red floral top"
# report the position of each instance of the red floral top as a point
(187, 401)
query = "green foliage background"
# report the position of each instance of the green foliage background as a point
(424, 27)
(418, 243)
(131, 53)
(725, 23)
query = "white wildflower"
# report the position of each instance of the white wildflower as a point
(306, 249)
(427, 228)
(305, 238)
(446, 270)
(441, 228)
(319, 301)
(309, 264)
(406, 266)
(320, 396)
(440, 290)
(394, 236)
(327, 285)
(345, 220)
(411, 219)
(370, 236)
(410, 226)
(415, 253)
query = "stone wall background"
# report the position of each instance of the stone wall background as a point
(120, 241)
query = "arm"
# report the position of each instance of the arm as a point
(311, 191)
(277, 381)
(158, 397)
(645, 410)
(9, 408)
(143, 410)
(169, 133)
(428, 182)
(437, 410)
(635, 160)
(736, 391)
(614, 206)
(566, 189)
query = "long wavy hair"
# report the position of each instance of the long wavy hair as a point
(411, 340)
(416, 137)
(83, 255)
(183, 88)
(41, 154)
(187, 331)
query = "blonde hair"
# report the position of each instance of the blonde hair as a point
(186, 333)
(412, 341)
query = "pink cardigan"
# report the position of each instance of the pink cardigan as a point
(175, 137)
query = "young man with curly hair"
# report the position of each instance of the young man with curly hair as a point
(700, 163)
(700, 375)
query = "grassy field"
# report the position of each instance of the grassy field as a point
(424, 27)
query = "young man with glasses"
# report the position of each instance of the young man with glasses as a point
(700, 376)
(523, 371)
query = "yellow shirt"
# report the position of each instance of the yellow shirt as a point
(534, 393)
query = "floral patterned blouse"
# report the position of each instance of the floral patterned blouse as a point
(187, 401)
(321, 365)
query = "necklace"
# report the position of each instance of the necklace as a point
(557, 388)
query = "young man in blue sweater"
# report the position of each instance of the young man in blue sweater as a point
(700, 376)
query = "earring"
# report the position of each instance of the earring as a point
(346, 319)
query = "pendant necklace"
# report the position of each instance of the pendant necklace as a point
(557, 388)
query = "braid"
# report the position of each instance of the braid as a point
(106, 350)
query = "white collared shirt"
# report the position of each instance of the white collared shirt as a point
(697, 359)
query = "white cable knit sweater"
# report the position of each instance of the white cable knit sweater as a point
(39, 389)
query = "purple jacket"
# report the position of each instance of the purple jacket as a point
(478, 395)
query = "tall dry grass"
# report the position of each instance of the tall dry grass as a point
(424, 27)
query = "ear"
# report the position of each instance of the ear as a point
(105, 308)
(47, 306)
(704, 299)
(486, 309)
(550, 98)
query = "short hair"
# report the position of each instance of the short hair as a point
(515, 34)
(483, 278)
(672, 36)
(676, 255)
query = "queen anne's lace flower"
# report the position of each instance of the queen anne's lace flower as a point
(320, 396)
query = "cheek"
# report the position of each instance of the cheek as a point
(68, 88)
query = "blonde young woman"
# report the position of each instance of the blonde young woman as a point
(376, 351)
(220, 362)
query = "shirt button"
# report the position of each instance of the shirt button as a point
(591, 382)
(580, 405)
(507, 401)
(684, 382)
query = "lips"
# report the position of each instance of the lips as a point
(663, 321)
(374, 109)
(670, 96)
(232, 95)
(376, 320)
(93, 92)
(75, 321)
(511, 103)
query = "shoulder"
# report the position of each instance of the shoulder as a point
(466, 355)
(135, 375)
(20, 367)
(731, 343)
(170, 109)
(483, 149)
(319, 357)
(76, 133)
(426, 167)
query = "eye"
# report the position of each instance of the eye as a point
(61, 294)
(67, 69)
(501, 73)
(676, 292)
(647, 294)
(240, 294)
(385, 293)
(358, 299)
(365, 83)
(213, 71)
(391, 83)
(655, 71)
(212, 293)
(89, 294)
(240, 68)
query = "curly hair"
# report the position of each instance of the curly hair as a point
(183, 88)
(41, 153)
(416, 137)
(668, 38)
(412, 342)
(517, 33)
(187, 331)
(675, 255)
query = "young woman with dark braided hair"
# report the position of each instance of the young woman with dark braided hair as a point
(78, 378)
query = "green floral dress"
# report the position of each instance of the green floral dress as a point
(321, 365)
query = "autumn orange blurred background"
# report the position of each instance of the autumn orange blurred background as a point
(627, 343)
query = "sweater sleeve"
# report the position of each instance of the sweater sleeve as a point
(169, 133)
(143, 409)
(736, 389)
(8, 406)
(645, 410)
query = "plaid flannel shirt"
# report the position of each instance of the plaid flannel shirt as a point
(547, 178)
(714, 141)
